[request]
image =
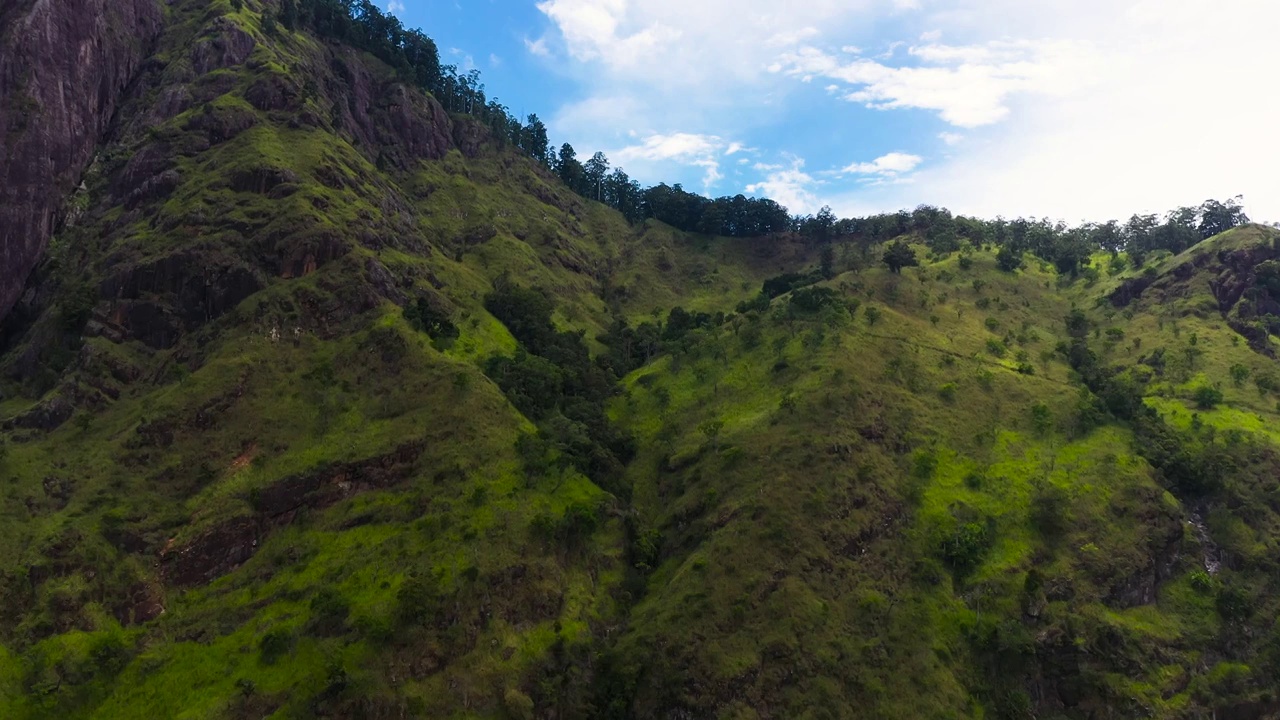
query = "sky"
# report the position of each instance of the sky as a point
(1078, 110)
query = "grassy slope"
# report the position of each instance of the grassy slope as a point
(804, 540)
(799, 571)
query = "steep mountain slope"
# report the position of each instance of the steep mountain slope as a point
(286, 434)
(63, 67)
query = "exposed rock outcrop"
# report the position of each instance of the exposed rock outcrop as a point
(229, 544)
(64, 67)
(198, 289)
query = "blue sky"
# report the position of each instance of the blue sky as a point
(1071, 109)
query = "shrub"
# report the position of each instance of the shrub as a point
(1008, 259)
(1041, 418)
(1207, 397)
(329, 611)
(274, 645)
(948, 392)
(1201, 581)
(873, 314)
(964, 549)
(1233, 604)
(418, 600)
(924, 464)
(1049, 510)
(997, 348)
(986, 379)
(1239, 373)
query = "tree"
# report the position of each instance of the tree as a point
(711, 429)
(570, 170)
(873, 314)
(821, 227)
(1008, 259)
(595, 171)
(827, 262)
(1207, 397)
(289, 14)
(900, 255)
(1239, 373)
(534, 140)
(1217, 217)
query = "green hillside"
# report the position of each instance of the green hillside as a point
(334, 403)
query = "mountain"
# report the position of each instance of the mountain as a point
(321, 397)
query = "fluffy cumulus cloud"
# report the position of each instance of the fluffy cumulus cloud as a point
(892, 164)
(968, 86)
(790, 185)
(702, 151)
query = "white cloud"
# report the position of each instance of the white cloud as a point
(890, 164)
(537, 47)
(596, 30)
(790, 186)
(735, 148)
(395, 7)
(494, 60)
(1071, 108)
(794, 37)
(689, 149)
(1175, 106)
(968, 86)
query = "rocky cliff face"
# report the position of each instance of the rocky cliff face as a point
(64, 67)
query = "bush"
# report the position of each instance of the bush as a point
(1239, 373)
(418, 600)
(1049, 510)
(997, 348)
(873, 314)
(1233, 604)
(329, 612)
(1207, 397)
(1201, 581)
(924, 464)
(948, 392)
(425, 317)
(1041, 418)
(964, 549)
(577, 523)
(811, 300)
(274, 645)
(1008, 259)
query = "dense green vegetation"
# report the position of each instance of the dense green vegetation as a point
(331, 428)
